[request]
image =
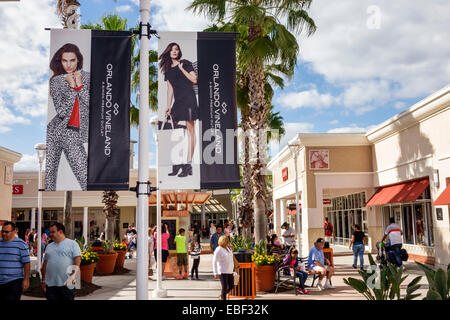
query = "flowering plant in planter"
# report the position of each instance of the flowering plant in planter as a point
(89, 257)
(119, 246)
(261, 256)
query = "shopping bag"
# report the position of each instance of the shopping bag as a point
(236, 277)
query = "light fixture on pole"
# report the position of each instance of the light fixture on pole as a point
(143, 186)
(159, 292)
(294, 148)
(40, 150)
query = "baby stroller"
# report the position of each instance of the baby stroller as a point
(386, 254)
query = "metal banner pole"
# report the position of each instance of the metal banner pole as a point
(143, 165)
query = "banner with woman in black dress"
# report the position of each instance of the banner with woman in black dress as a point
(197, 111)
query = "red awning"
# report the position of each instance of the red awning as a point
(402, 192)
(294, 212)
(444, 198)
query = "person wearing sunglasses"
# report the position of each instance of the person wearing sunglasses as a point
(14, 264)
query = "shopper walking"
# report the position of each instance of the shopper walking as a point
(212, 229)
(14, 264)
(214, 242)
(31, 241)
(395, 236)
(61, 263)
(165, 235)
(328, 230)
(195, 248)
(358, 246)
(151, 245)
(223, 266)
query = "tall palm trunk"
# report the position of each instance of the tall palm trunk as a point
(258, 125)
(67, 217)
(246, 207)
(111, 211)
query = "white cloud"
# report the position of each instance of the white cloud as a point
(407, 55)
(306, 99)
(29, 162)
(334, 122)
(172, 16)
(123, 8)
(7, 118)
(353, 128)
(291, 128)
(24, 54)
(400, 105)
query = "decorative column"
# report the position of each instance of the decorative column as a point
(33, 219)
(283, 211)
(85, 225)
(277, 216)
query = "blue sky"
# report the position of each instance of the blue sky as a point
(368, 61)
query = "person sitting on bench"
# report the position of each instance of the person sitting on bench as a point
(293, 261)
(318, 263)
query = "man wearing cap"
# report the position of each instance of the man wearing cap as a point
(318, 263)
(287, 235)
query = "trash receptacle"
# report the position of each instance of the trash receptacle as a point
(243, 256)
(246, 287)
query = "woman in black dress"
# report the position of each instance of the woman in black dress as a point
(180, 77)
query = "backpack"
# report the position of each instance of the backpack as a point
(404, 255)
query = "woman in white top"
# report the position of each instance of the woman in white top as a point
(212, 230)
(223, 266)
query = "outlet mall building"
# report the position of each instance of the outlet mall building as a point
(87, 206)
(399, 169)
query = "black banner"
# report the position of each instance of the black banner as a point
(109, 125)
(217, 101)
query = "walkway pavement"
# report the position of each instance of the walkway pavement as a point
(123, 287)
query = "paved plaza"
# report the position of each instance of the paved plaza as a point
(123, 287)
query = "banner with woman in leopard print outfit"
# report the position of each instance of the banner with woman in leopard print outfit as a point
(88, 115)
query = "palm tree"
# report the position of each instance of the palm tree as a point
(268, 25)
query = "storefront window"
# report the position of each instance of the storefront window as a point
(415, 220)
(345, 213)
(408, 228)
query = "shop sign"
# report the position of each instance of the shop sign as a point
(319, 159)
(285, 174)
(327, 203)
(17, 189)
(175, 213)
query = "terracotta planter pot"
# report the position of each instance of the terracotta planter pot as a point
(87, 271)
(120, 258)
(107, 263)
(265, 278)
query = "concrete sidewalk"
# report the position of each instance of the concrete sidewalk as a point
(123, 287)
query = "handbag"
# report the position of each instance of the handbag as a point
(169, 119)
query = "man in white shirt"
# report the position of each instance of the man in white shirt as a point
(287, 235)
(395, 237)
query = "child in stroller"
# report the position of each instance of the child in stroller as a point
(386, 254)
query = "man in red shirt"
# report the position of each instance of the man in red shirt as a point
(329, 230)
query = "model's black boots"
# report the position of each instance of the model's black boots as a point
(186, 170)
(175, 169)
